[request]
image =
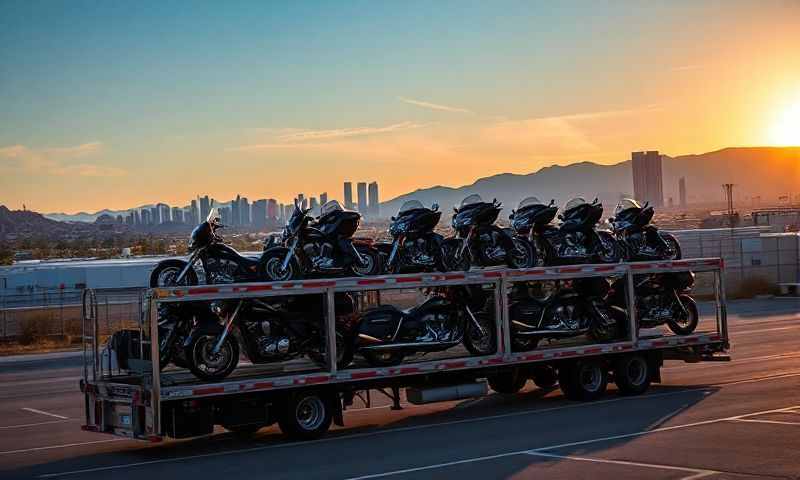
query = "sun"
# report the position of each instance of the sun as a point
(786, 130)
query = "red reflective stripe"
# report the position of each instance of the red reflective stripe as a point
(154, 439)
(570, 353)
(379, 281)
(570, 269)
(593, 350)
(715, 337)
(660, 343)
(538, 356)
(202, 290)
(691, 340)
(455, 364)
(605, 269)
(360, 375)
(261, 385)
(258, 288)
(641, 267)
(493, 274)
(408, 280)
(313, 380)
(455, 277)
(318, 284)
(408, 370)
(208, 390)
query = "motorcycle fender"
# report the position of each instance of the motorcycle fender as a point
(211, 328)
(280, 251)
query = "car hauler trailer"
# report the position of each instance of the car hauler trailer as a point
(148, 403)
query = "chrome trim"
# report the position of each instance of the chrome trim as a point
(227, 329)
(389, 346)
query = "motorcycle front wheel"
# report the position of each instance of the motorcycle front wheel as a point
(477, 342)
(684, 323)
(344, 353)
(210, 366)
(270, 268)
(523, 255)
(673, 251)
(450, 258)
(166, 273)
(372, 263)
(609, 249)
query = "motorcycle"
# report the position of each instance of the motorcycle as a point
(386, 335)
(576, 240)
(221, 263)
(324, 246)
(639, 238)
(478, 241)
(662, 298)
(577, 307)
(531, 222)
(415, 246)
(269, 330)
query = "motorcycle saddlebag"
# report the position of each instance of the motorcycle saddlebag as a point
(380, 323)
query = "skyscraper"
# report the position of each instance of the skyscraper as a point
(374, 204)
(235, 218)
(259, 219)
(163, 213)
(314, 206)
(272, 209)
(348, 195)
(154, 216)
(177, 215)
(682, 192)
(362, 197)
(145, 214)
(194, 213)
(205, 207)
(323, 198)
(647, 181)
(244, 212)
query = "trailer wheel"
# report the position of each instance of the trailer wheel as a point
(583, 380)
(545, 377)
(508, 382)
(306, 416)
(632, 374)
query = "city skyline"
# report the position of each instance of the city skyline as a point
(284, 99)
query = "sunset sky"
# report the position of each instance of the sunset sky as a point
(118, 104)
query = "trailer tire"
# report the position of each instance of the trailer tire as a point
(632, 375)
(508, 382)
(545, 377)
(306, 416)
(583, 380)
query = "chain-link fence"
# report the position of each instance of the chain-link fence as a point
(55, 313)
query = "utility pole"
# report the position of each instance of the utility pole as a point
(728, 187)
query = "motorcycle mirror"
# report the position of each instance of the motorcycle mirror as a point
(393, 219)
(435, 206)
(552, 202)
(455, 209)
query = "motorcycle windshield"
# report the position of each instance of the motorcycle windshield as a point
(410, 205)
(295, 221)
(626, 204)
(528, 202)
(470, 200)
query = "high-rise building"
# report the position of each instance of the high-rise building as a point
(194, 213)
(647, 181)
(362, 197)
(682, 191)
(272, 209)
(323, 198)
(374, 204)
(312, 204)
(155, 218)
(163, 213)
(129, 219)
(236, 218)
(244, 212)
(177, 215)
(205, 207)
(348, 195)
(259, 218)
(225, 216)
(145, 215)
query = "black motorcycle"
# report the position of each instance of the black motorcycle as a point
(415, 246)
(322, 247)
(577, 307)
(662, 298)
(221, 263)
(641, 240)
(576, 240)
(385, 335)
(478, 241)
(270, 330)
(530, 222)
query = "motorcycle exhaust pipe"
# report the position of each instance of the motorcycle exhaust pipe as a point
(392, 346)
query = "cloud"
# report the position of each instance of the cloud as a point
(290, 138)
(433, 106)
(57, 161)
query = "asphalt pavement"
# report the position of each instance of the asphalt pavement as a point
(734, 420)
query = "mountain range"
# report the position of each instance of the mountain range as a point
(766, 172)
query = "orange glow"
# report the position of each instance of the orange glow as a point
(786, 130)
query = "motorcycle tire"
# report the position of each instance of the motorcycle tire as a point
(602, 332)
(450, 248)
(170, 269)
(345, 350)
(524, 255)
(373, 261)
(693, 318)
(269, 268)
(675, 247)
(610, 250)
(477, 344)
(199, 352)
(375, 359)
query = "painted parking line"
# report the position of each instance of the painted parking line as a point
(26, 425)
(42, 412)
(549, 448)
(345, 437)
(756, 420)
(65, 445)
(695, 472)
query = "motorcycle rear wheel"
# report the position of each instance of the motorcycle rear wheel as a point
(674, 251)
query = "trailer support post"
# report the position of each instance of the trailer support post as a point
(631, 299)
(330, 330)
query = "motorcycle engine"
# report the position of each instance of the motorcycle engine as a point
(654, 310)
(271, 345)
(563, 317)
(221, 271)
(417, 253)
(574, 245)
